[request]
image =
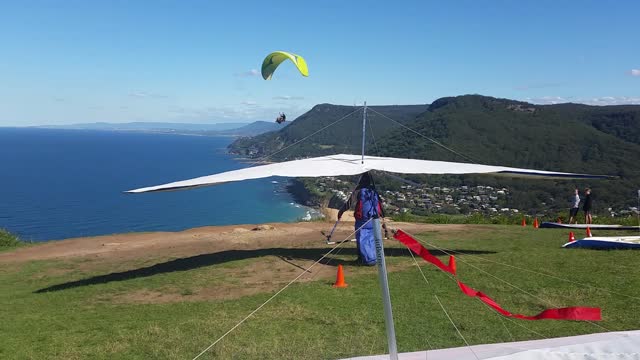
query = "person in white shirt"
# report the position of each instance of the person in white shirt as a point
(575, 205)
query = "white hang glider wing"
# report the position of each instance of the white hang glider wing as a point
(343, 164)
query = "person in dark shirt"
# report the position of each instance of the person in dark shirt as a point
(588, 202)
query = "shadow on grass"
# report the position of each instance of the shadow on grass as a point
(198, 261)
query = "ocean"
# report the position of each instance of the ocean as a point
(56, 184)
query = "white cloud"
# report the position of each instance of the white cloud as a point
(547, 100)
(602, 100)
(613, 100)
(251, 111)
(250, 73)
(147, 95)
(287, 97)
(635, 72)
(541, 85)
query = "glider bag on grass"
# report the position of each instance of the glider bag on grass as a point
(569, 313)
(365, 242)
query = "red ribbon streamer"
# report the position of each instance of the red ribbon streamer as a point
(421, 251)
(569, 313)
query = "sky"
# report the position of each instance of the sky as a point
(64, 62)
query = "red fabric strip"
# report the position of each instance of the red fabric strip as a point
(569, 313)
(421, 251)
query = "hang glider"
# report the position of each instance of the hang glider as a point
(344, 164)
(552, 225)
(607, 345)
(605, 242)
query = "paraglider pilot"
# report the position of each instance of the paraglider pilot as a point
(367, 206)
(281, 118)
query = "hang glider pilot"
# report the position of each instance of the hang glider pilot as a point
(281, 118)
(367, 206)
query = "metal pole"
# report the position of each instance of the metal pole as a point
(364, 128)
(384, 285)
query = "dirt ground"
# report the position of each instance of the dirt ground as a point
(279, 252)
(203, 240)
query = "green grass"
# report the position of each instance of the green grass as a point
(509, 219)
(312, 320)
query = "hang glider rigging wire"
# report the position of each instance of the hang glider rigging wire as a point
(346, 239)
(544, 274)
(508, 283)
(493, 310)
(442, 306)
(278, 292)
(427, 137)
(307, 137)
(454, 325)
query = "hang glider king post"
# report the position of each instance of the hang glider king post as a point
(381, 264)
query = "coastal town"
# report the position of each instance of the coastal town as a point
(420, 199)
(466, 200)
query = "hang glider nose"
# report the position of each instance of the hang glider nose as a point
(343, 164)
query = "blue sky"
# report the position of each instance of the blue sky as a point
(195, 61)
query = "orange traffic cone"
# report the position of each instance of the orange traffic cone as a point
(340, 279)
(572, 237)
(589, 232)
(535, 223)
(524, 222)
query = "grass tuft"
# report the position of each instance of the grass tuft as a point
(9, 240)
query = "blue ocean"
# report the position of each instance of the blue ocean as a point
(56, 184)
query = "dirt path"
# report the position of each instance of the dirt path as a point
(122, 247)
(278, 252)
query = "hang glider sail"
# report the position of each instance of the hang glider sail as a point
(273, 60)
(606, 243)
(552, 225)
(344, 164)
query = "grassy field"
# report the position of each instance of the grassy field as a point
(68, 309)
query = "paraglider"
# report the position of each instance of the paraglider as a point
(273, 60)
(281, 118)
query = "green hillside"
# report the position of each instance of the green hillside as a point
(505, 132)
(566, 137)
(343, 137)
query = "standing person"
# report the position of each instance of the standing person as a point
(367, 206)
(588, 202)
(575, 205)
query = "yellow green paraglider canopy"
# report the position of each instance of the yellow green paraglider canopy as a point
(273, 60)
